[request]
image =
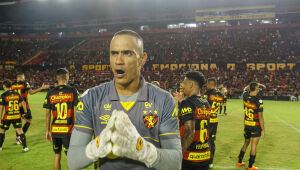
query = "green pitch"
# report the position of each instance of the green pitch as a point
(280, 148)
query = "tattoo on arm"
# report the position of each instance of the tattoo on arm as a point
(188, 135)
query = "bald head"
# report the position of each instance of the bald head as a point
(137, 38)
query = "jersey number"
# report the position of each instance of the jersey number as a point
(62, 110)
(249, 113)
(216, 105)
(13, 105)
(203, 131)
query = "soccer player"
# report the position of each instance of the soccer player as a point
(135, 123)
(11, 100)
(61, 101)
(194, 114)
(223, 90)
(215, 98)
(23, 88)
(254, 123)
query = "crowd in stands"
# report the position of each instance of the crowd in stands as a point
(190, 46)
(18, 49)
(284, 82)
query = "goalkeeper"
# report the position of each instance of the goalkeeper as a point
(135, 124)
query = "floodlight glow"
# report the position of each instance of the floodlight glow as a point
(211, 22)
(222, 21)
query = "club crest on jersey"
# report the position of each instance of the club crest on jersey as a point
(150, 120)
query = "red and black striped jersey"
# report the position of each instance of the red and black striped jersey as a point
(22, 87)
(196, 108)
(11, 100)
(214, 98)
(61, 101)
(252, 106)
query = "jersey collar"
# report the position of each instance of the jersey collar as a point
(143, 91)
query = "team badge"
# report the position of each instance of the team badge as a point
(150, 120)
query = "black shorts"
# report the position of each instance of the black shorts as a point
(186, 165)
(17, 123)
(213, 131)
(252, 132)
(59, 143)
(28, 115)
(224, 100)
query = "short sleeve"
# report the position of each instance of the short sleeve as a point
(21, 99)
(76, 97)
(186, 112)
(47, 104)
(169, 122)
(84, 110)
(260, 106)
(27, 86)
(245, 94)
(2, 101)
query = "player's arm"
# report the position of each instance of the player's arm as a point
(261, 117)
(2, 104)
(261, 85)
(188, 135)
(24, 107)
(48, 120)
(1, 111)
(31, 92)
(247, 88)
(82, 132)
(169, 156)
(262, 123)
(47, 106)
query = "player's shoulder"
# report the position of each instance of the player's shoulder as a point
(258, 99)
(70, 88)
(96, 93)
(4, 94)
(203, 100)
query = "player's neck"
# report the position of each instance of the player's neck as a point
(62, 84)
(195, 93)
(7, 89)
(252, 94)
(20, 79)
(128, 90)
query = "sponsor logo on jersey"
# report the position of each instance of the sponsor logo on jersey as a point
(69, 97)
(105, 119)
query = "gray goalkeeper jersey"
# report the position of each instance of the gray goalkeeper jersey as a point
(154, 114)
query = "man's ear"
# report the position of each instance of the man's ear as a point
(143, 59)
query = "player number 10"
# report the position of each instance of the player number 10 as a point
(62, 110)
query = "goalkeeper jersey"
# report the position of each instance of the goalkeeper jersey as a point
(153, 113)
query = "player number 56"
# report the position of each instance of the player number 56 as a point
(13, 105)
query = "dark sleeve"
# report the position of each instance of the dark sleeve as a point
(47, 104)
(20, 98)
(186, 111)
(245, 94)
(2, 101)
(260, 106)
(76, 97)
(27, 86)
